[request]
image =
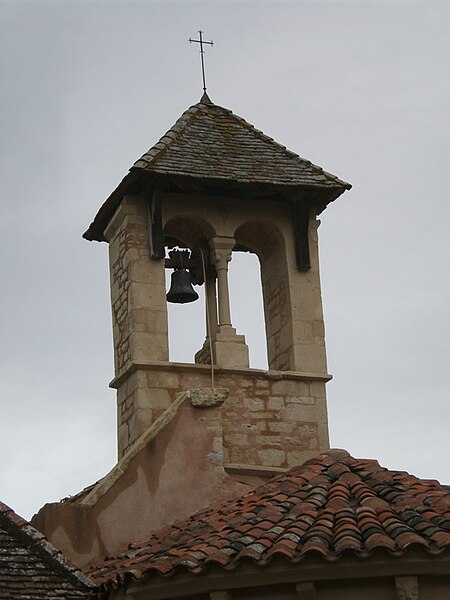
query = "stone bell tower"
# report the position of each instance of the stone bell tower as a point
(214, 185)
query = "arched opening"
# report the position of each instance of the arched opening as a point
(186, 325)
(247, 306)
(265, 240)
(186, 322)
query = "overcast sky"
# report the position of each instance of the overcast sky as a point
(360, 88)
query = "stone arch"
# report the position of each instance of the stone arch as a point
(191, 231)
(265, 240)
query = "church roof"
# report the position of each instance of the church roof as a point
(30, 567)
(211, 143)
(332, 505)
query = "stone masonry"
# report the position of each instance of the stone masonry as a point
(272, 419)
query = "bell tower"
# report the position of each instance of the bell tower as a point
(214, 185)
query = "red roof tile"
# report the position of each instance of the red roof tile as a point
(330, 505)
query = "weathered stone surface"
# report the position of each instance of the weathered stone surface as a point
(204, 397)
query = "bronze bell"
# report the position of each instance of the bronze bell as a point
(181, 290)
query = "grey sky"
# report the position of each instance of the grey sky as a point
(360, 88)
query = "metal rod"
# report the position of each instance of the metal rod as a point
(201, 41)
(208, 322)
(202, 52)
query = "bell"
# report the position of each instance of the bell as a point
(181, 290)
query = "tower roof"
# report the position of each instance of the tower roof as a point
(330, 506)
(212, 144)
(209, 141)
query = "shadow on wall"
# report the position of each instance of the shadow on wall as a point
(187, 323)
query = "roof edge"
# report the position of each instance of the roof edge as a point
(17, 526)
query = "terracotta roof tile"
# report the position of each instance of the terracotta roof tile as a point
(331, 505)
(30, 567)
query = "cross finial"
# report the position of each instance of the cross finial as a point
(201, 41)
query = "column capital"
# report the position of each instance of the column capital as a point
(222, 248)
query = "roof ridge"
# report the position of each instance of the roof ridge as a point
(20, 528)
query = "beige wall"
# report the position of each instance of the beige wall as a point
(177, 470)
(294, 326)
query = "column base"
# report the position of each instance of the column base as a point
(230, 349)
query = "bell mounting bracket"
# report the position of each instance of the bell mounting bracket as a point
(189, 260)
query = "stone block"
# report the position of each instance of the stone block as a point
(290, 387)
(254, 404)
(275, 403)
(323, 436)
(122, 438)
(256, 426)
(262, 415)
(299, 400)
(148, 321)
(146, 295)
(317, 389)
(205, 397)
(271, 457)
(282, 427)
(310, 357)
(154, 398)
(147, 347)
(162, 379)
(237, 439)
(299, 412)
(231, 352)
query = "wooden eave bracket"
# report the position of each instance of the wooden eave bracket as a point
(301, 210)
(155, 230)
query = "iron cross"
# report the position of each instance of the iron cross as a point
(201, 41)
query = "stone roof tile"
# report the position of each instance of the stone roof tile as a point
(30, 567)
(331, 505)
(211, 143)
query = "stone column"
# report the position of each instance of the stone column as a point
(229, 349)
(222, 250)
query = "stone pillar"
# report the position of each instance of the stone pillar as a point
(222, 249)
(229, 349)
(139, 312)
(138, 289)
(308, 331)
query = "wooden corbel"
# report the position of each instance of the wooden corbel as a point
(301, 210)
(155, 231)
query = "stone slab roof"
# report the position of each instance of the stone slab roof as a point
(210, 143)
(30, 567)
(332, 505)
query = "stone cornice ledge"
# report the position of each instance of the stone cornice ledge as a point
(235, 468)
(201, 368)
